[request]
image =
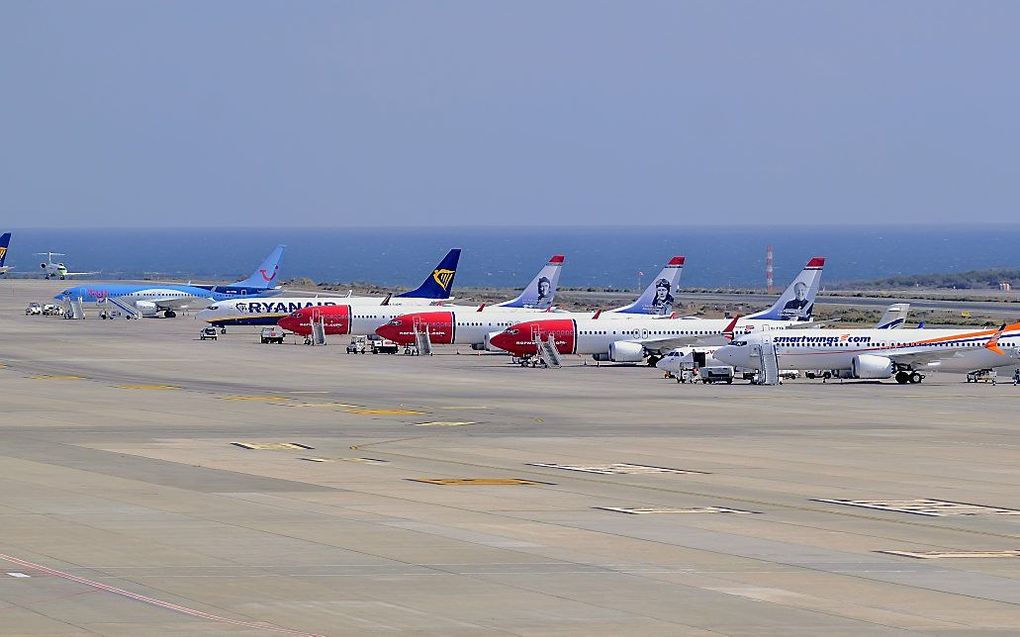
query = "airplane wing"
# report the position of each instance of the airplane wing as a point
(181, 302)
(928, 356)
(79, 273)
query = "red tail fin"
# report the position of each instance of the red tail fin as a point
(730, 330)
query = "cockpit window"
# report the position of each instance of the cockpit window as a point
(739, 343)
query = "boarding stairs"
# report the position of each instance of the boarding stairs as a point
(422, 339)
(318, 324)
(129, 310)
(547, 351)
(768, 357)
(74, 309)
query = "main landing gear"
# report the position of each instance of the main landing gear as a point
(169, 314)
(905, 376)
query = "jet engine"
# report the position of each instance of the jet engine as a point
(871, 366)
(147, 308)
(624, 352)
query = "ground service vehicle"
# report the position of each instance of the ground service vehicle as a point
(272, 334)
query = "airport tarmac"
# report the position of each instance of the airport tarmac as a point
(155, 484)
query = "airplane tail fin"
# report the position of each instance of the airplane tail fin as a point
(658, 296)
(542, 289)
(798, 301)
(438, 284)
(265, 276)
(894, 317)
(731, 329)
(5, 241)
(993, 342)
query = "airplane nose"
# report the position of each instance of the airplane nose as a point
(503, 341)
(389, 332)
(288, 323)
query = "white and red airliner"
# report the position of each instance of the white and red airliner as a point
(640, 339)
(475, 326)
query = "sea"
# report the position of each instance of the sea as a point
(617, 257)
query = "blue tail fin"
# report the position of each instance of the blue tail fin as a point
(265, 276)
(542, 289)
(658, 296)
(438, 284)
(5, 241)
(798, 301)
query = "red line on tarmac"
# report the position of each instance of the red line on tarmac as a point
(152, 600)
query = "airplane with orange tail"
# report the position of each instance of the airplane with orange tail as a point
(903, 354)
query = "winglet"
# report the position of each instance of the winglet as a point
(386, 301)
(993, 342)
(731, 329)
(480, 307)
(598, 313)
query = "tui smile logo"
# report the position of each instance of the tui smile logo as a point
(268, 277)
(443, 277)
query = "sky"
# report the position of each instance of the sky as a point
(524, 113)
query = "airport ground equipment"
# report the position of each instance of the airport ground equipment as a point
(357, 345)
(547, 352)
(982, 376)
(318, 334)
(33, 309)
(272, 334)
(383, 346)
(422, 340)
(768, 371)
(716, 374)
(208, 333)
(130, 311)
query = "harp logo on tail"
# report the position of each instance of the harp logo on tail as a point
(443, 277)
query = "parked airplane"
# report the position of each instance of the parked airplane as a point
(436, 286)
(365, 320)
(5, 242)
(638, 339)
(475, 322)
(693, 356)
(878, 354)
(51, 269)
(475, 326)
(154, 300)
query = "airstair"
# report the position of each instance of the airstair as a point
(547, 351)
(422, 339)
(768, 372)
(129, 310)
(74, 309)
(318, 324)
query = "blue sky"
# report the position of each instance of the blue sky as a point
(526, 113)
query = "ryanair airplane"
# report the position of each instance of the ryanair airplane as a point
(435, 287)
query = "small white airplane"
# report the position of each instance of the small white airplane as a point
(51, 269)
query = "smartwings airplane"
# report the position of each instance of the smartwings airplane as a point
(902, 354)
(636, 340)
(436, 287)
(367, 319)
(164, 300)
(476, 326)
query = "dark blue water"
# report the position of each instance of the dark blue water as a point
(716, 256)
